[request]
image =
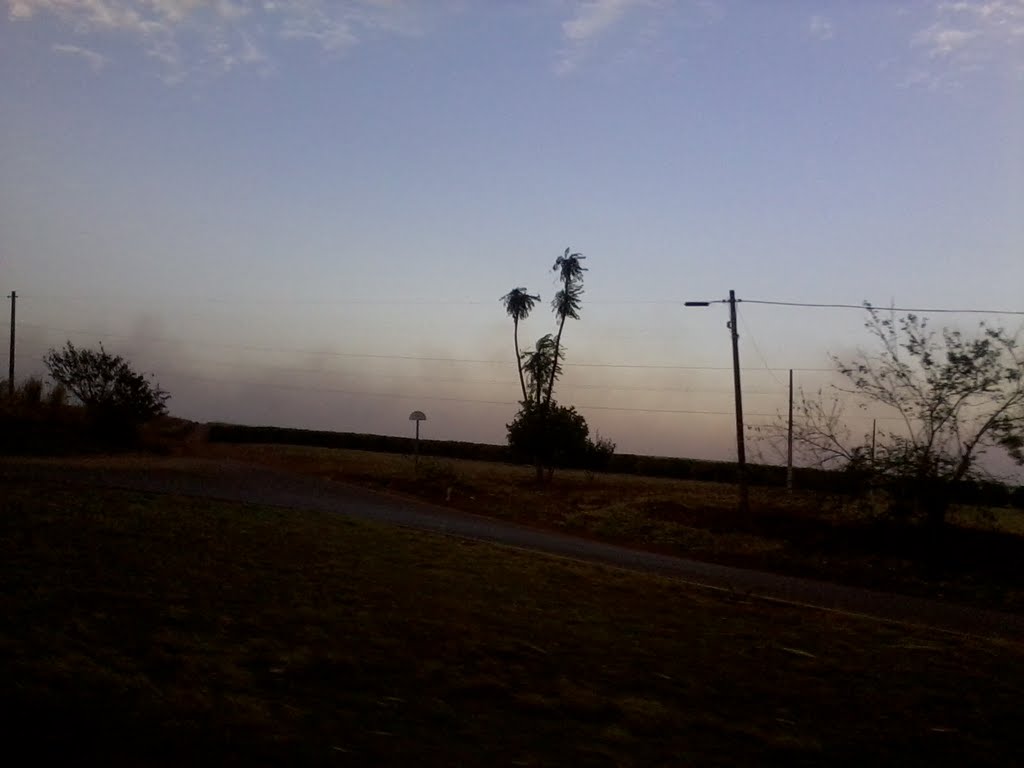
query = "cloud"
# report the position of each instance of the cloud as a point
(630, 30)
(960, 38)
(940, 41)
(590, 20)
(821, 28)
(185, 35)
(592, 17)
(95, 60)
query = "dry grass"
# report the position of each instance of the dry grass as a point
(145, 629)
(803, 533)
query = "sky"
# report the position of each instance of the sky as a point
(303, 213)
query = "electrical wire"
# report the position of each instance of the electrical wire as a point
(889, 309)
(478, 302)
(378, 356)
(403, 396)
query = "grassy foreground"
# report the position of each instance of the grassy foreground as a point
(811, 534)
(154, 630)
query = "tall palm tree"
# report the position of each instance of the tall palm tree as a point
(538, 363)
(518, 304)
(565, 304)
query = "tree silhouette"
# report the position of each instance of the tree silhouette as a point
(518, 304)
(541, 425)
(565, 304)
(954, 396)
(539, 364)
(116, 397)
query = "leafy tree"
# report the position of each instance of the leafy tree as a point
(518, 304)
(561, 436)
(956, 397)
(111, 391)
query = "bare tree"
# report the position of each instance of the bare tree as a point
(955, 397)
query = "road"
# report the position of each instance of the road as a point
(241, 482)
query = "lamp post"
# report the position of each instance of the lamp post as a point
(741, 451)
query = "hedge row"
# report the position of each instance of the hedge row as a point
(988, 494)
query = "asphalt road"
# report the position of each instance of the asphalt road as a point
(240, 482)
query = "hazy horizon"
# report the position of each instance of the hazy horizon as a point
(304, 213)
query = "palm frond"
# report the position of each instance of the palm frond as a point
(569, 267)
(519, 303)
(567, 302)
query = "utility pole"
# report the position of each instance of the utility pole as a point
(789, 438)
(741, 451)
(10, 370)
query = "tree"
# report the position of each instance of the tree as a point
(539, 364)
(565, 304)
(955, 397)
(560, 435)
(518, 304)
(111, 391)
(561, 438)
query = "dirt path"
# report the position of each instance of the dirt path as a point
(240, 482)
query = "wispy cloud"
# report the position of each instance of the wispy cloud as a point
(95, 60)
(821, 28)
(968, 37)
(591, 22)
(186, 35)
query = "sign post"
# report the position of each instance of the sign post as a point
(417, 416)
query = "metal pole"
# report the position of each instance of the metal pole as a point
(10, 370)
(789, 442)
(416, 460)
(741, 452)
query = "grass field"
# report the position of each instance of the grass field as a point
(155, 630)
(803, 533)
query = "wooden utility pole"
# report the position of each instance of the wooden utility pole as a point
(741, 451)
(789, 438)
(10, 369)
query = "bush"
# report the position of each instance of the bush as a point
(117, 398)
(600, 454)
(561, 438)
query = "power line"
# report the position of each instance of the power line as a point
(890, 309)
(478, 302)
(757, 349)
(402, 396)
(433, 398)
(438, 380)
(377, 356)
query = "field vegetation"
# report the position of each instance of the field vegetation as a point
(156, 630)
(831, 536)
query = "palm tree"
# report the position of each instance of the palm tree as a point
(518, 303)
(538, 364)
(565, 304)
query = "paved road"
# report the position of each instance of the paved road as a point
(237, 481)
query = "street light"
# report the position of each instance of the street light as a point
(741, 451)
